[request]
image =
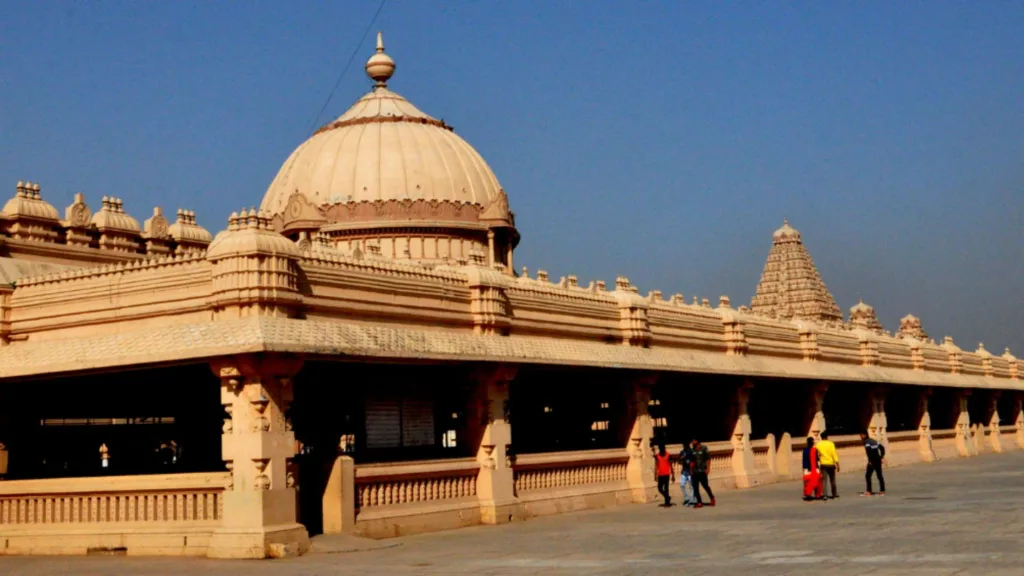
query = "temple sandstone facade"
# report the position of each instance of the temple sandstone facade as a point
(359, 356)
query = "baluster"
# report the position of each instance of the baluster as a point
(433, 489)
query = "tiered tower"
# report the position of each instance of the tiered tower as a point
(863, 316)
(790, 285)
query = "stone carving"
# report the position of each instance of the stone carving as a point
(790, 285)
(156, 226)
(78, 214)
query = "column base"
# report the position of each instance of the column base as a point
(492, 513)
(267, 542)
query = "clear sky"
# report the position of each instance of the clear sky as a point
(664, 141)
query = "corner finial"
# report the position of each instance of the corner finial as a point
(380, 66)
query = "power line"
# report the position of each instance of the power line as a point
(347, 66)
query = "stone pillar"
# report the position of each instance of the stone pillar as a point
(924, 427)
(259, 503)
(877, 422)
(1018, 422)
(339, 499)
(994, 441)
(495, 486)
(964, 439)
(640, 467)
(742, 452)
(815, 409)
(784, 457)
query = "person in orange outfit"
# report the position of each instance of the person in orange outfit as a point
(813, 489)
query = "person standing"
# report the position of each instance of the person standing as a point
(812, 472)
(664, 472)
(701, 469)
(829, 460)
(876, 457)
(686, 476)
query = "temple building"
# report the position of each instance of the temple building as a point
(360, 356)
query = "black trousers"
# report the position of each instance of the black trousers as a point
(828, 477)
(876, 468)
(663, 484)
(699, 479)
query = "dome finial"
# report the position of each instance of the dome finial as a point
(380, 66)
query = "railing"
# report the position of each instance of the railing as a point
(762, 454)
(415, 482)
(943, 434)
(164, 498)
(562, 469)
(904, 438)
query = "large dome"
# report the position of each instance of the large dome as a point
(384, 167)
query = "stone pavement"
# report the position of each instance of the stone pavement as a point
(964, 516)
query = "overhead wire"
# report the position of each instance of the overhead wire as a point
(347, 65)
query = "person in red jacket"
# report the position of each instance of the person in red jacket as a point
(664, 472)
(813, 489)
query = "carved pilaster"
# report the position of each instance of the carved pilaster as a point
(640, 467)
(868, 348)
(496, 480)
(633, 323)
(742, 452)
(992, 422)
(877, 421)
(924, 427)
(964, 438)
(735, 328)
(257, 444)
(815, 410)
(488, 302)
(808, 342)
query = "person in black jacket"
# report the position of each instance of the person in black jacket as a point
(876, 457)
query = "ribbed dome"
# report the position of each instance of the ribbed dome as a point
(383, 148)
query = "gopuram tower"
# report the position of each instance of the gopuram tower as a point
(790, 285)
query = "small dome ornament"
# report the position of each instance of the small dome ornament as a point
(380, 66)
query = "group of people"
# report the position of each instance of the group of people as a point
(695, 461)
(821, 463)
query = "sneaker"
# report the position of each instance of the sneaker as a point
(699, 505)
(712, 503)
(866, 494)
(881, 493)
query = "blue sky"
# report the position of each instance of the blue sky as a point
(663, 141)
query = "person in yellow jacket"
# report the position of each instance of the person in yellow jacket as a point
(829, 462)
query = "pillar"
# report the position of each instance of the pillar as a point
(877, 422)
(259, 511)
(1018, 422)
(491, 256)
(339, 499)
(742, 452)
(816, 413)
(994, 441)
(508, 258)
(924, 427)
(784, 457)
(964, 439)
(640, 467)
(495, 486)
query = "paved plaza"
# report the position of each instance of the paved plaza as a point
(963, 516)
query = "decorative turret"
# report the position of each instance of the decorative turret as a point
(118, 231)
(158, 240)
(77, 220)
(863, 316)
(910, 327)
(29, 217)
(790, 285)
(187, 233)
(254, 269)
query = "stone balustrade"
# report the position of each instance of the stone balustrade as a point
(565, 469)
(415, 482)
(161, 514)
